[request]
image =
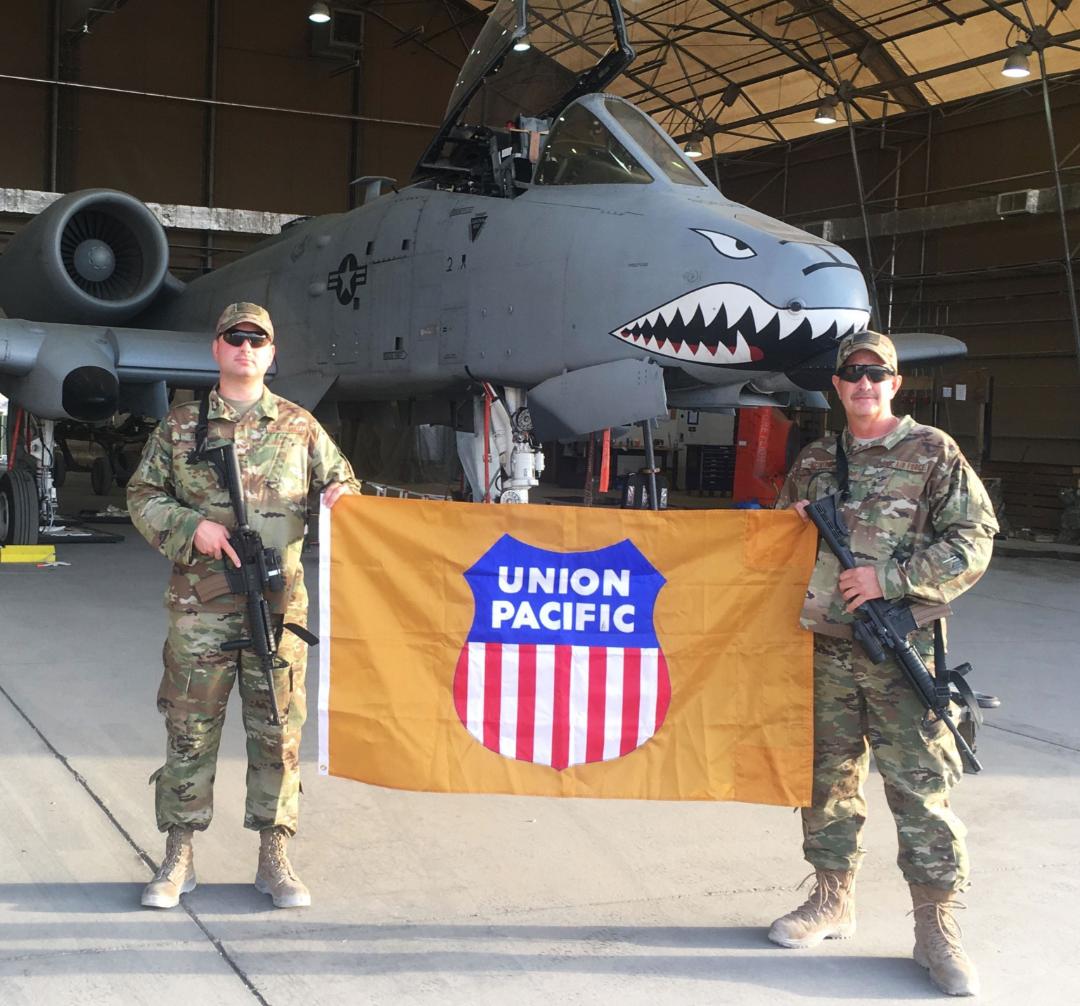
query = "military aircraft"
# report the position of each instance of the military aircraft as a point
(557, 266)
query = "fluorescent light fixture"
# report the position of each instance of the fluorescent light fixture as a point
(692, 149)
(319, 13)
(1016, 64)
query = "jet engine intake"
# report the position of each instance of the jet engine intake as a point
(94, 257)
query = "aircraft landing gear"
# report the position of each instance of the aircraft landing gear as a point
(101, 476)
(27, 488)
(508, 465)
(19, 508)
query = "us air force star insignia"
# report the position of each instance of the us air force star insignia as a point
(345, 280)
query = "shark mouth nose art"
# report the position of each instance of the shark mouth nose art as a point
(728, 323)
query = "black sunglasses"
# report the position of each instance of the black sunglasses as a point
(237, 337)
(855, 372)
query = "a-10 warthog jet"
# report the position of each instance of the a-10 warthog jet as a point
(573, 264)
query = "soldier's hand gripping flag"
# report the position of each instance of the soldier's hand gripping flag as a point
(566, 651)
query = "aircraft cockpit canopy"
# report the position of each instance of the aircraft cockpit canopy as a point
(523, 70)
(660, 149)
(582, 150)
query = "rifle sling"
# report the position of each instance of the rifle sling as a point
(966, 697)
(202, 427)
(941, 668)
(842, 479)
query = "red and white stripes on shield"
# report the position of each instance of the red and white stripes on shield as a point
(561, 705)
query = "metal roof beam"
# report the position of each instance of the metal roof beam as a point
(882, 88)
(872, 53)
(773, 75)
(1016, 21)
(559, 30)
(677, 49)
(779, 45)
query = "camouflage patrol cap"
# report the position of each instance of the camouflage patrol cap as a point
(881, 345)
(236, 313)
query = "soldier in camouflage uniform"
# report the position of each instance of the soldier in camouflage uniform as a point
(179, 505)
(923, 525)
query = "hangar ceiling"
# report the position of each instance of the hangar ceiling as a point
(740, 74)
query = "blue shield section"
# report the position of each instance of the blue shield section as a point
(530, 595)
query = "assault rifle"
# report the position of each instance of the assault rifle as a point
(260, 570)
(882, 627)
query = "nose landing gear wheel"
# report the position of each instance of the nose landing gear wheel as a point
(18, 508)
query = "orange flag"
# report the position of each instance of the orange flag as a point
(562, 651)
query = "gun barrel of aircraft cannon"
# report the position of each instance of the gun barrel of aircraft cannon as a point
(95, 257)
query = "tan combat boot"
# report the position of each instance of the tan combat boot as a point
(828, 914)
(176, 875)
(275, 874)
(937, 941)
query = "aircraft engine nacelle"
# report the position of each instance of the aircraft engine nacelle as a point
(62, 372)
(93, 257)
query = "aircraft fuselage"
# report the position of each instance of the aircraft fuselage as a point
(418, 290)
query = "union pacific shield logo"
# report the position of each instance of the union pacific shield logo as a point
(562, 665)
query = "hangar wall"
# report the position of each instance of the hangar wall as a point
(998, 284)
(293, 120)
(240, 103)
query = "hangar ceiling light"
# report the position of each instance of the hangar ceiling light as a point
(1016, 64)
(900, 56)
(319, 13)
(826, 110)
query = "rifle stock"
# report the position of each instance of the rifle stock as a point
(882, 628)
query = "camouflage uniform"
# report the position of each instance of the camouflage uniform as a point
(920, 517)
(282, 452)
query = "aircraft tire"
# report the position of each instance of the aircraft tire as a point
(18, 508)
(101, 476)
(59, 468)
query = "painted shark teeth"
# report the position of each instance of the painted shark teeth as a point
(737, 315)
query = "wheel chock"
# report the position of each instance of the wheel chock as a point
(28, 553)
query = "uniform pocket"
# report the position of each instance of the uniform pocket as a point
(172, 696)
(197, 680)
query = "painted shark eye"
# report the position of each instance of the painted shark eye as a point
(726, 245)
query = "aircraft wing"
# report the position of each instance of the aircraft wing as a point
(89, 372)
(926, 347)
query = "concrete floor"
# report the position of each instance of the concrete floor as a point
(423, 898)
